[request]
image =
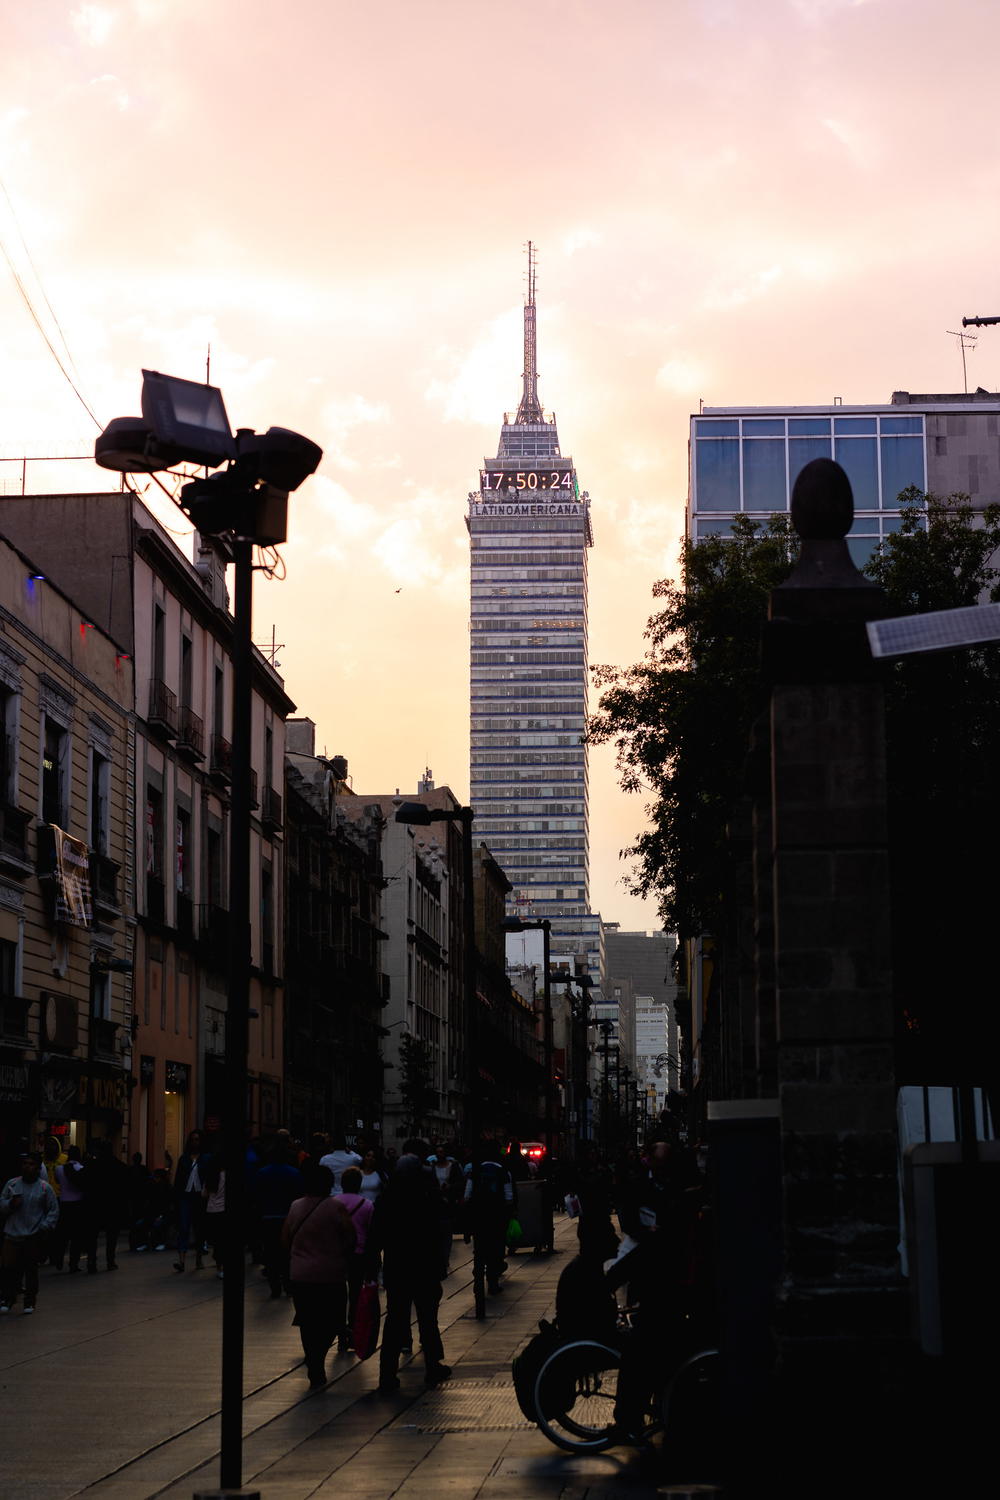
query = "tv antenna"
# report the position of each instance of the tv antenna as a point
(965, 341)
(269, 649)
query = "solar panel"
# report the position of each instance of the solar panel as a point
(940, 630)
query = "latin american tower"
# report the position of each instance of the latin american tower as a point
(529, 528)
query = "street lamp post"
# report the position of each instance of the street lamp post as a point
(417, 813)
(244, 505)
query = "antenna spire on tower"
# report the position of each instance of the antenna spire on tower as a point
(530, 409)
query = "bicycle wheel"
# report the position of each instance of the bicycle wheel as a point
(575, 1395)
(689, 1398)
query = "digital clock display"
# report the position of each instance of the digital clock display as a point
(526, 480)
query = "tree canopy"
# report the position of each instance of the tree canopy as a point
(681, 718)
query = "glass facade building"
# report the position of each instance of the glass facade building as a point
(744, 461)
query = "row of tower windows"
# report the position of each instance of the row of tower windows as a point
(522, 842)
(524, 679)
(534, 758)
(527, 658)
(531, 799)
(569, 701)
(514, 525)
(485, 726)
(543, 862)
(480, 774)
(506, 810)
(484, 741)
(540, 559)
(482, 576)
(526, 591)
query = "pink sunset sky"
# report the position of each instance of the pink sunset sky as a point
(777, 201)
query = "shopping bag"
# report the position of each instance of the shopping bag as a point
(367, 1317)
(515, 1234)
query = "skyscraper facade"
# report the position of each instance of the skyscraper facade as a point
(529, 527)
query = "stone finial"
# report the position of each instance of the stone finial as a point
(822, 513)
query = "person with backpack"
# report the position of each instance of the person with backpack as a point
(361, 1210)
(489, 1202)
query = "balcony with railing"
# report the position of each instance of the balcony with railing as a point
(162, 716)
(221, 760)
(104, 886)
(270, 814)
(104, 1040)
(191, 735)
(14, 841)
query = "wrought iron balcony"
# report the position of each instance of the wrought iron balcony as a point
(270, 815)
(191, 736)
(162, 715)
(13, 840)
(104, 885)
(221, 763)
(104, 1040)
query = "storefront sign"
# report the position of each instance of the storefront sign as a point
(107, 1093)
(15, 1082)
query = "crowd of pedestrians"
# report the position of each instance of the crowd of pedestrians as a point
(325, 1221)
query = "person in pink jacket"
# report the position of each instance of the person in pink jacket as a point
(360, 1208)
(320, 1240)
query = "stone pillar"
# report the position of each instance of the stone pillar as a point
(841, 1307)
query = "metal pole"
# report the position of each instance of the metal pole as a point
(469, 951)
(237, 1027)
(546, 927)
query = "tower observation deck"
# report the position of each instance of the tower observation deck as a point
(529, 528)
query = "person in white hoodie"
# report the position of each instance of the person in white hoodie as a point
(29, 1209)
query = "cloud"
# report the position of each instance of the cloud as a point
(341, 417)
(93, 24)
(472, 392)
(756, 285)
(682, 376)
(351, 518)
(581, 239)
(115, 86)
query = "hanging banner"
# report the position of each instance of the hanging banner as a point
(72, 874)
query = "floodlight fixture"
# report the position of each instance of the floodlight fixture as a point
(187, 419)
(125, 446)
(413, 812)
(938, 630)
(281, 457)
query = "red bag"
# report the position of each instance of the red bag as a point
(367, 1317)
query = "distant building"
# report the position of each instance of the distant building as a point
(640, 978)
(67, 942)
(529, 531)
(423, 955)
(335, 990)
(744, 460)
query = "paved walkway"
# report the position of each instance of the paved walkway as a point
(111, 1391)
